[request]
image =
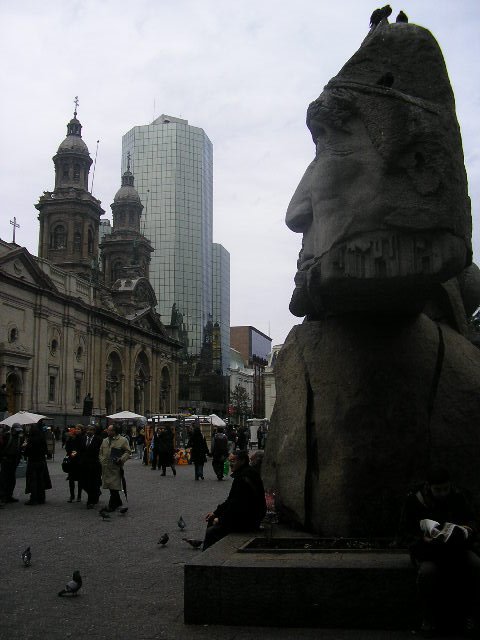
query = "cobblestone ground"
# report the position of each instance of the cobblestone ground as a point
(132, 588)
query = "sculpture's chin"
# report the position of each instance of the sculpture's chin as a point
(379, 272)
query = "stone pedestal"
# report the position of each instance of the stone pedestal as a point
(345, 590)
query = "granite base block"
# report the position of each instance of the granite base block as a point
(369, 590)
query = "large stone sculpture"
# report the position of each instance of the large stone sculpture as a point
(379, 381)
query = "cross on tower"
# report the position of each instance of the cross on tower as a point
(15, 225)
(76, 103)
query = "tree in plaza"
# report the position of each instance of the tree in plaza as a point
(240, 401)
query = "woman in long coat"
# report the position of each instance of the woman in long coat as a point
(114, 452)
(198, 451)
(37, 478)
(165, 450)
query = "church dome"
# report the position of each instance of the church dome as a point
(127, 192)
(73, 142)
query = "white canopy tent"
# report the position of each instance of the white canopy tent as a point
(216, 421)
(23, 417)
(124, 415)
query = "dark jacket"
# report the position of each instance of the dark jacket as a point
(74, 448)
(36, 446)
(245, 507)
(37, 471)
(90, 469)
(422, 505)
(10, 448)
(198, 447)
(219, 447)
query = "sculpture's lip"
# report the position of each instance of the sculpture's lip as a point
(439, 247)
(378, 270)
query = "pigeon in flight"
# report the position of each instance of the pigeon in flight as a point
(73, 586)
(196, 544)
(27, 557)
(402, 17)
(181, 523)
(163, 539)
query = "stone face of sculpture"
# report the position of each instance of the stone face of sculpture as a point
(378, 382)
(383, 207)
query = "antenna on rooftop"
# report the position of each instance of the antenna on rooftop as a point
(94, 166)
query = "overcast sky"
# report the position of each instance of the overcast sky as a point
(245, 71)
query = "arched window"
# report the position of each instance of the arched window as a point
(59, 237)
(77, 241)
(65, 171)
(90, 242)
(76, 172)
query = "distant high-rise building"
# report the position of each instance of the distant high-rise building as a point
(255, 348)
(173, 166)
(221, 307)
(172, 162)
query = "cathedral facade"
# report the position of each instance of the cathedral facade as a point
(74, 322)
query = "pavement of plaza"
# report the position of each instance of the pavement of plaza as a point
(132, 587)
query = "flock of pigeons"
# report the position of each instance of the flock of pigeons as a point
(74, 585)
(193, 542)
(379, 14)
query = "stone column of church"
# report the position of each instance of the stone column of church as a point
(155, 382)
(85, 226)
(95, 372)
(152, 381)
(42, 240)
(69, 255)
(99, 372)
(68, 382)
(129, 386)
(39, 396)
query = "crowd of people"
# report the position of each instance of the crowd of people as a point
(94, 457)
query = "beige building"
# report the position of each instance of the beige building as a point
(67, 328)
(269, 381)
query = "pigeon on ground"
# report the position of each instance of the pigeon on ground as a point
(123, 510)
(27, 557)
(163, 539)
(196, 544)
(105, 515)
(73, 586)
(402, 17)
(181, 523)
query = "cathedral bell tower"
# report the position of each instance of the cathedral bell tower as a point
(126, 250)
(69, 215)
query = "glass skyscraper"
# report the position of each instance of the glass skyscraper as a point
(172, 162)
(221, 302)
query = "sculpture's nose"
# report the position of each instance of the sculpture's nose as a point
(300, 213)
